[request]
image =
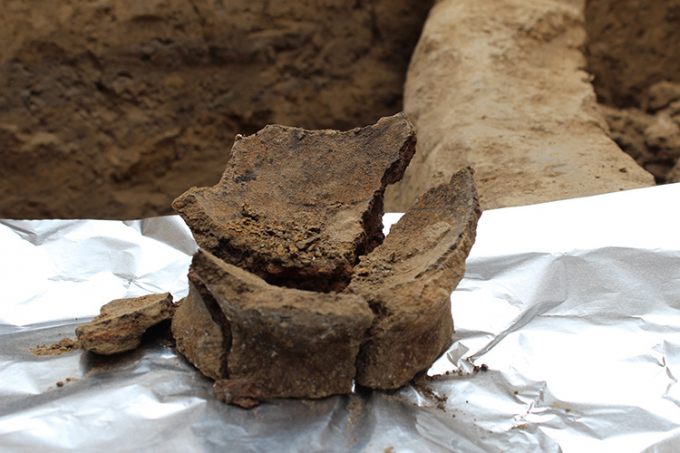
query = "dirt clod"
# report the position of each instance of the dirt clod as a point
(633, 53)
(238, 392)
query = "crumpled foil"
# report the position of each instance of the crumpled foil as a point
(571, 307)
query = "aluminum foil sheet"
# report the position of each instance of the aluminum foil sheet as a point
(571, 306)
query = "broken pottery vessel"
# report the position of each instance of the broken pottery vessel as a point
(268, 316)
(122, 322)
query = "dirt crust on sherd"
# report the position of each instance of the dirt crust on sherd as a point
(298, 207)
(122, 322)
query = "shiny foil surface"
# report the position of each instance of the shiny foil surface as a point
(567, 339)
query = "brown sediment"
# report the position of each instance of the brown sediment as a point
(651, 137)
(632, 46)
(633, 54)
(66, 381)
(111, 109)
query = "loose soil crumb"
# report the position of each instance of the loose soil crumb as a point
(66, 381)
(459, 373)
(238, 392)
(521, 426)
(60, 347)
(483, 367)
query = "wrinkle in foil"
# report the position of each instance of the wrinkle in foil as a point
(572, 305)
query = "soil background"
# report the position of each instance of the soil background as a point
(634, 55)
(111, 109)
